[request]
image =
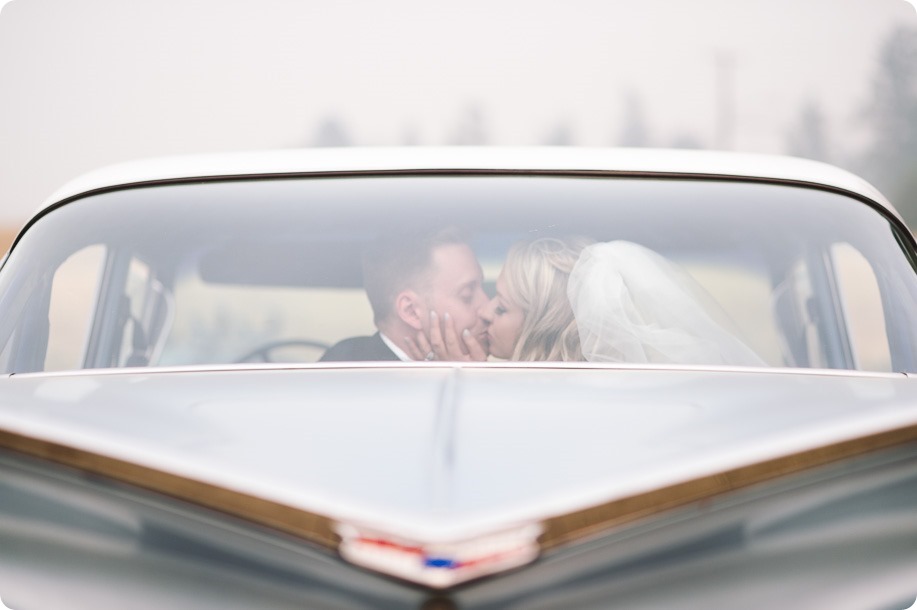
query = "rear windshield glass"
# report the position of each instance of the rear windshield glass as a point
(467, 267)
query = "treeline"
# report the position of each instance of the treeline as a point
(889, 114)
(471, 128)
(889, 159)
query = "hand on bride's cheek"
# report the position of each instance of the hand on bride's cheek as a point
(504, 320)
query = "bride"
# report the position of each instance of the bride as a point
(633, 305)
(574, 300)
(530, 317)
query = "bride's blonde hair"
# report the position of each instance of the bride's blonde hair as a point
(536, 274)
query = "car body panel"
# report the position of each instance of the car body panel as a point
(841, 535)
(446, 453)
(609, 482)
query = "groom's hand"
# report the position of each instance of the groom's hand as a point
(444, 343)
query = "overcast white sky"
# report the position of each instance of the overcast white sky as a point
(86, 83)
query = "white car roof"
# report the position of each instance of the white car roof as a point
(502, 159)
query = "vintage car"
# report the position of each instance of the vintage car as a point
(169, 437)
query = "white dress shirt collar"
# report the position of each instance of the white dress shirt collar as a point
(395, 349)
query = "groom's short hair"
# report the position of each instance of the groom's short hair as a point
(400, 261)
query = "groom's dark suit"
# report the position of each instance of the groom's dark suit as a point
(358, 349)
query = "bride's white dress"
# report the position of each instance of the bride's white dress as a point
(633, 305)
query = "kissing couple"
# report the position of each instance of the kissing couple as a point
(557, 299)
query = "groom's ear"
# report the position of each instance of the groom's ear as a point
(409, 308)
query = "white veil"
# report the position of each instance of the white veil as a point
(633, 305)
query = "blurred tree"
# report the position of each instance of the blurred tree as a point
(410, 136)
(330, 132)
(807, 136)
(686, 140)
(560, 135)
(470, 129)
(634, 133)
(892, 159)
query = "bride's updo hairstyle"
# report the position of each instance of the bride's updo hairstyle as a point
(535, 276)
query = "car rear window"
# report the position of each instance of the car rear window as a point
(271, 270)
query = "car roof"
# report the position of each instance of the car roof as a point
(636, 161)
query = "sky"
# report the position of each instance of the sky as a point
(87, 83)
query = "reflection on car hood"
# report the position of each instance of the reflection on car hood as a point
(439, 452)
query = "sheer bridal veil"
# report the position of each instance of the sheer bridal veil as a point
(633, 305)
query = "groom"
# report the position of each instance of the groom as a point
(407, 277)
